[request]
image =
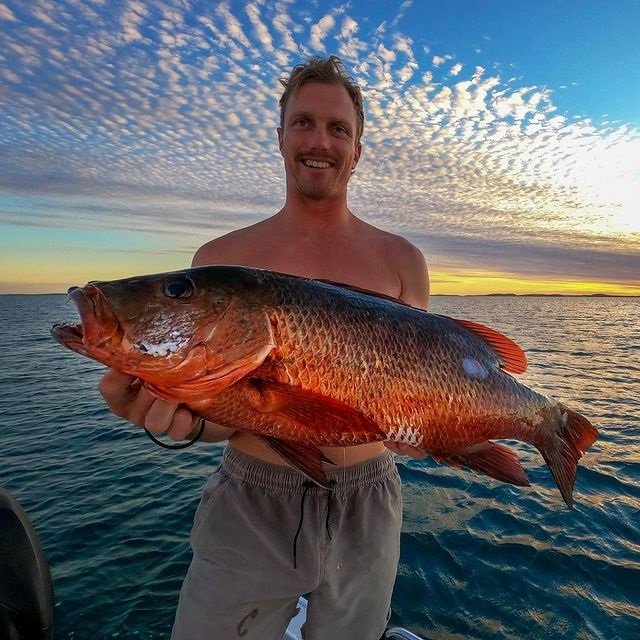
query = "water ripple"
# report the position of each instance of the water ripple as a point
(479, 560)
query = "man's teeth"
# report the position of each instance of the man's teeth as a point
(316, 164)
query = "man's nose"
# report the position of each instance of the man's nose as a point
(320, 138)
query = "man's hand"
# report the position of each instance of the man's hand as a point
(404, 449)
(127, 398)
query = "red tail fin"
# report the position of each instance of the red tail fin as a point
(563, 451)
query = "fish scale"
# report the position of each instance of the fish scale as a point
(307, 364)
(394, 391)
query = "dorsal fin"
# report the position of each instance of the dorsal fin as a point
(368, 292)
(335, 283)
(512, 357)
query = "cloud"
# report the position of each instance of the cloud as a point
(349, 28)
(404, 7)
(132, 18)
(261, 32)
(163, 116)
(319, 32)
(532, 258)
(281, 23)
(232, 25)
(6, 13)
(438, 61)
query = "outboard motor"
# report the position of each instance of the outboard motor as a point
(26, 592)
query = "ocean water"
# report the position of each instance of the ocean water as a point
(480, 559)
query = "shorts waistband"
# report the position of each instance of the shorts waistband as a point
(287, 479)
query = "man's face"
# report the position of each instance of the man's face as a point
(318, 141)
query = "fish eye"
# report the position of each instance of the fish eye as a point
(179, 287)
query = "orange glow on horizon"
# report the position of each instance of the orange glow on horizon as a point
(25, 273)
(485, 283)
(57, 278)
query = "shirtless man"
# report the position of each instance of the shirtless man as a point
(248, 567)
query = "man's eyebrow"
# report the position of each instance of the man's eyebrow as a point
(298, 114)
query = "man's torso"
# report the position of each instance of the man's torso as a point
(364, 256)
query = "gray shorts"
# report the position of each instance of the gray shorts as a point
(264, 535)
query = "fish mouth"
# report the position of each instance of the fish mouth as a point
(98, 323)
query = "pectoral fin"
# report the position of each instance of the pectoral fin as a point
(311, 416)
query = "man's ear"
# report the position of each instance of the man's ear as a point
(279, 130)
(356, 156)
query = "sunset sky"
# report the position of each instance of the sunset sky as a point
(502, 137)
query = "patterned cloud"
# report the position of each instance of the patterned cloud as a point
(161, 116)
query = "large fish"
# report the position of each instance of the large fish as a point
(305, 364)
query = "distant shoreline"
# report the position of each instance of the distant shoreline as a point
(548, 295)
(445, 295)
(533, 295)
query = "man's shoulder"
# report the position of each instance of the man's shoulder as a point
(230, 248)
(397, 246)
(407, 261)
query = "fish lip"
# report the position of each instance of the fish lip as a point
(98, 323)
(69, 335)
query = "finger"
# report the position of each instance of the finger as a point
(160, 414)
(392, 445)
(403, 449)
(413, 452)
(138, 405)
(113, 377)
(183, 423)
(117, 389)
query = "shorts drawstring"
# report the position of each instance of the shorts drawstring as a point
(307, 484)
(332, 484)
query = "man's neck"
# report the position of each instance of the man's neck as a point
(304, 215)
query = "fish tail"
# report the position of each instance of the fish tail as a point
(566, 446)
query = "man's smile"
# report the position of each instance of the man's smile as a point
(316, 164)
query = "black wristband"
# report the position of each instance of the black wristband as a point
(182, 445)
